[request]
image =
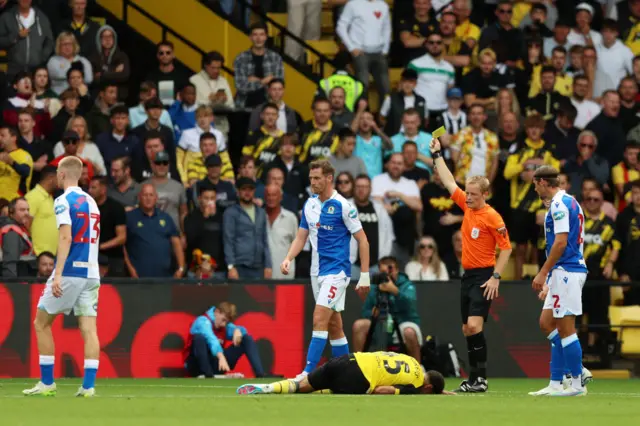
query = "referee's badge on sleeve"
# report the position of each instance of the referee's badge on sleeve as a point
(475, 233)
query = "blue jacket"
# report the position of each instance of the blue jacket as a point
(111, 149)
(182, 120)
(204, 327)
(246, 243)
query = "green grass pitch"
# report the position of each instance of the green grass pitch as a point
(192, 402)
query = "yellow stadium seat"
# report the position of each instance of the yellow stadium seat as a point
(280, 18)
(530, 270)
(394, 77)
(630, 337)
(328, 48)
(326, 22)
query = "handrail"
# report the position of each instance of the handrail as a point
(165, 28)
(282, 33)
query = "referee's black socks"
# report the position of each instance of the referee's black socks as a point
(477, 347)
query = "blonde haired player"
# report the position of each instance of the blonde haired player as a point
(75, 281)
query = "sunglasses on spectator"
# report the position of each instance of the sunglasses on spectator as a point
(343, 182)
(429, 246)
(597, 200)
(505, 11)
(587, 145)
(435, 42)
(164, 53)
(67, 142)
(162, 163)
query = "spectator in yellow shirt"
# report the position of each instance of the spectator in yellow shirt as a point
(16, 165)
(564, 82)
(43, 230)
(624, 173)
(196, 169)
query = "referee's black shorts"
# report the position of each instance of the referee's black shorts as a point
(340, 374)
(472, 301)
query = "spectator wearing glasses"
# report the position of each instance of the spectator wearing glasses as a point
(426, 264)
(171, 196)
(600, 253)
(345, 184)
(86, 149)
(110, 64)
(167, 77)
(502, 37)
(435, 77)
(587, 164)
(69, 142)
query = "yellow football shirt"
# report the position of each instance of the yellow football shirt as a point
(44, 230)
(389, 369)
(12, 185)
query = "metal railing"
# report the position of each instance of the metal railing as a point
(283, 33)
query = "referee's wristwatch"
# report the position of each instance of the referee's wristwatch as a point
(497, 276)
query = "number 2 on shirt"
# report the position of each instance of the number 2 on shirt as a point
(84, 217)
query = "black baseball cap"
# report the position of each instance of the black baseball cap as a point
(213, 160)
(244, 181)
(161, 157)
(70, 135)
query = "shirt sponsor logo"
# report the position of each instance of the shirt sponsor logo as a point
(353, 213)
(558, 215)
(475, 233)
(60, 209)
(163, 222)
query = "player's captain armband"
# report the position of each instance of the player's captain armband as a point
(558, 215)
(438, 132)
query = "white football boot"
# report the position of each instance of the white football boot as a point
(86, 393)
(547, 390)
(41, 389)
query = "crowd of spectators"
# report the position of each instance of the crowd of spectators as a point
(516, 84)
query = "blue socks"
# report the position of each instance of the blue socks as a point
(557, 357)
(339, 347)
(46, 369)
(90, 372)
(316, 347)
(572, 352)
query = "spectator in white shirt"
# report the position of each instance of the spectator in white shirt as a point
(211, 87)
(435, 77)
(587, 109)
(582, 34)
(365, 29)
(401, 199)
(426, 264)
(560, 38)
(615, 60)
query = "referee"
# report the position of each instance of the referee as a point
(482, 230)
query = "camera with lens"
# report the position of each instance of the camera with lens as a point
(382, 299)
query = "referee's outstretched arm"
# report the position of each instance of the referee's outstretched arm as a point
(446, 177)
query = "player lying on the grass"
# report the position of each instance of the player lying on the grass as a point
(360, 373)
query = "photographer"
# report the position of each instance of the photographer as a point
(394, 295)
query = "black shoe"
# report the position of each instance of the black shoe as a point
(479, 386)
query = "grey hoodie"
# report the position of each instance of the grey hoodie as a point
(106, 65)
(25, 54)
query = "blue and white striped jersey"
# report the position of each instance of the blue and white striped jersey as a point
(565, 216)
(330, 225)
(77, 209)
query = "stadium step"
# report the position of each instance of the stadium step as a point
(183, 22)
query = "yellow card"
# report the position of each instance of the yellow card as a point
(438, 132)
